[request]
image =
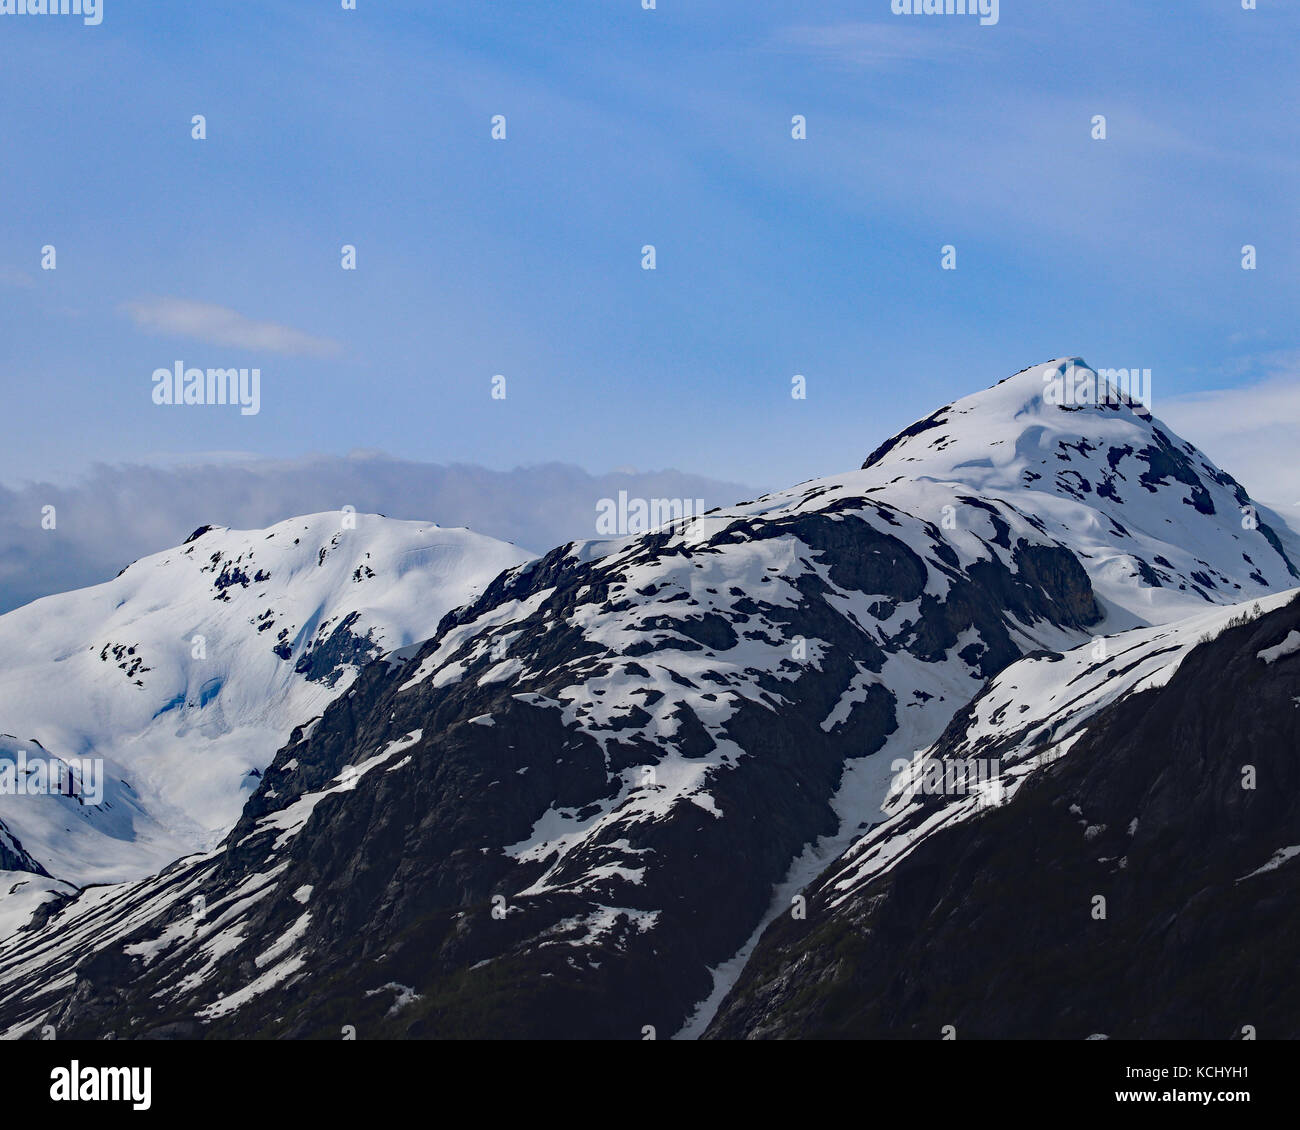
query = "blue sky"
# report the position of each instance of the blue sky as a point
(626, 127)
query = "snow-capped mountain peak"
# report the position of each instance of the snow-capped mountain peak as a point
(187, 671)
(992, 434)
(1160, 528)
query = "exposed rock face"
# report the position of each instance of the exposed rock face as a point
(13, 857)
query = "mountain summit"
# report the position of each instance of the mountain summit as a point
(1161, 529)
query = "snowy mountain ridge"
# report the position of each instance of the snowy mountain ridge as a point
(592, 742)
(190, 669)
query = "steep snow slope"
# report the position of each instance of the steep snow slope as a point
(22, 893)
(94, 828)
(189, 670)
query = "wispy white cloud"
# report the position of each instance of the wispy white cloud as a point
(118, 513)
(12, 276)
(1250, 431)
(220, 325)
(858, 44)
